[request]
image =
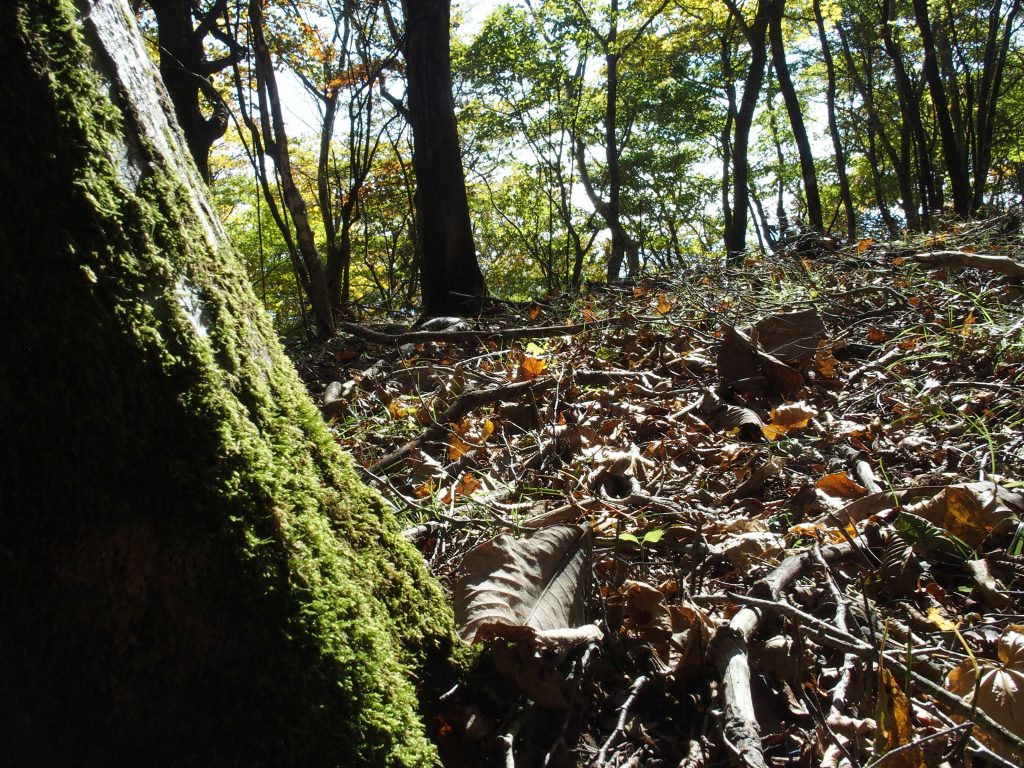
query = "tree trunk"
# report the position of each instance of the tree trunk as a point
(190, 571)
(275, 138)
(796, 121)
(186, 71)
(450, 276)
(755, 32)
(952, 147)
(845, 195)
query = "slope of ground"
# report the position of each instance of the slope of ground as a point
(764, 515)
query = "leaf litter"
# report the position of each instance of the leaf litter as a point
(765, 515)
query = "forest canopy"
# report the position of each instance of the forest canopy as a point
(598, 139)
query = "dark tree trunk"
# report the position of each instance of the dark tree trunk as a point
(796, 121)
(449, 273)
(996, 50)
(186, 71)
(952, 147)
(845, 195)
(914, 134)
(876, 131)
(190, 571)
(755, 32)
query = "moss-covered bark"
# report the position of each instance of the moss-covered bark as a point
(190, 572)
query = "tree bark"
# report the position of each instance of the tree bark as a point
(190, 571)
(952, 147)
(755, 33)
(845, 195)
(450, 276)
(796, 121)
(186, 69)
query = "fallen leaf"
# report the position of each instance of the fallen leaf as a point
(892, 714)
(841, 486)
(531, 367)
(537, 581)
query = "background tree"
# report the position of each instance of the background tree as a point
(184, 30)
(450, 276)
(191, 572)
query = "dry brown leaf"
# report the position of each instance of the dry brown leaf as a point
(692, 630)
(864, 243)
(970, 511)
(787, 417)
(537, 581)
(526, 671)
(1000, 691)
(894, 726)
(664, 305)
(648, 617)
(790, 336)
(741, 360)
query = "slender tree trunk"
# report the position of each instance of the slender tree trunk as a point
(914, 138)
(900, 160)
(275, 138)
(449, 273)
(186, 71)
(796, 121)
(952, 146)
(845, 195)
(191, 572)
(736, 233)
(994, 62)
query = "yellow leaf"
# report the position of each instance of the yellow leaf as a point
(894, 726)
(664, 305)
(968, 324)
(936, 618)
(824, 360)
(486, 430)
(467, 485)
(397, 410)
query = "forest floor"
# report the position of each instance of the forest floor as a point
(764, 515)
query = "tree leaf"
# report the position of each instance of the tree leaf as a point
(537, 582)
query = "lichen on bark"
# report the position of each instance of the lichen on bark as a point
(190, 570)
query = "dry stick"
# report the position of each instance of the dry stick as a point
(838, 704)
(473, 398)
(1001, 264)
(620, 727)
(861, 468)
(728, 652)
(882, 759)
(507, 334)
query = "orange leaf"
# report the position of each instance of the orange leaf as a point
(532, 367)
(664, 305)
(534, 312)
(864, 243)
(840, 484)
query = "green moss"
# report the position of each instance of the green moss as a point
(191, 571)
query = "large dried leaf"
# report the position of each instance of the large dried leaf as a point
(742, 360)
(791, 336)
(536, 582)
(1000, 691)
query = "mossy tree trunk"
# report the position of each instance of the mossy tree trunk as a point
(190, 571)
